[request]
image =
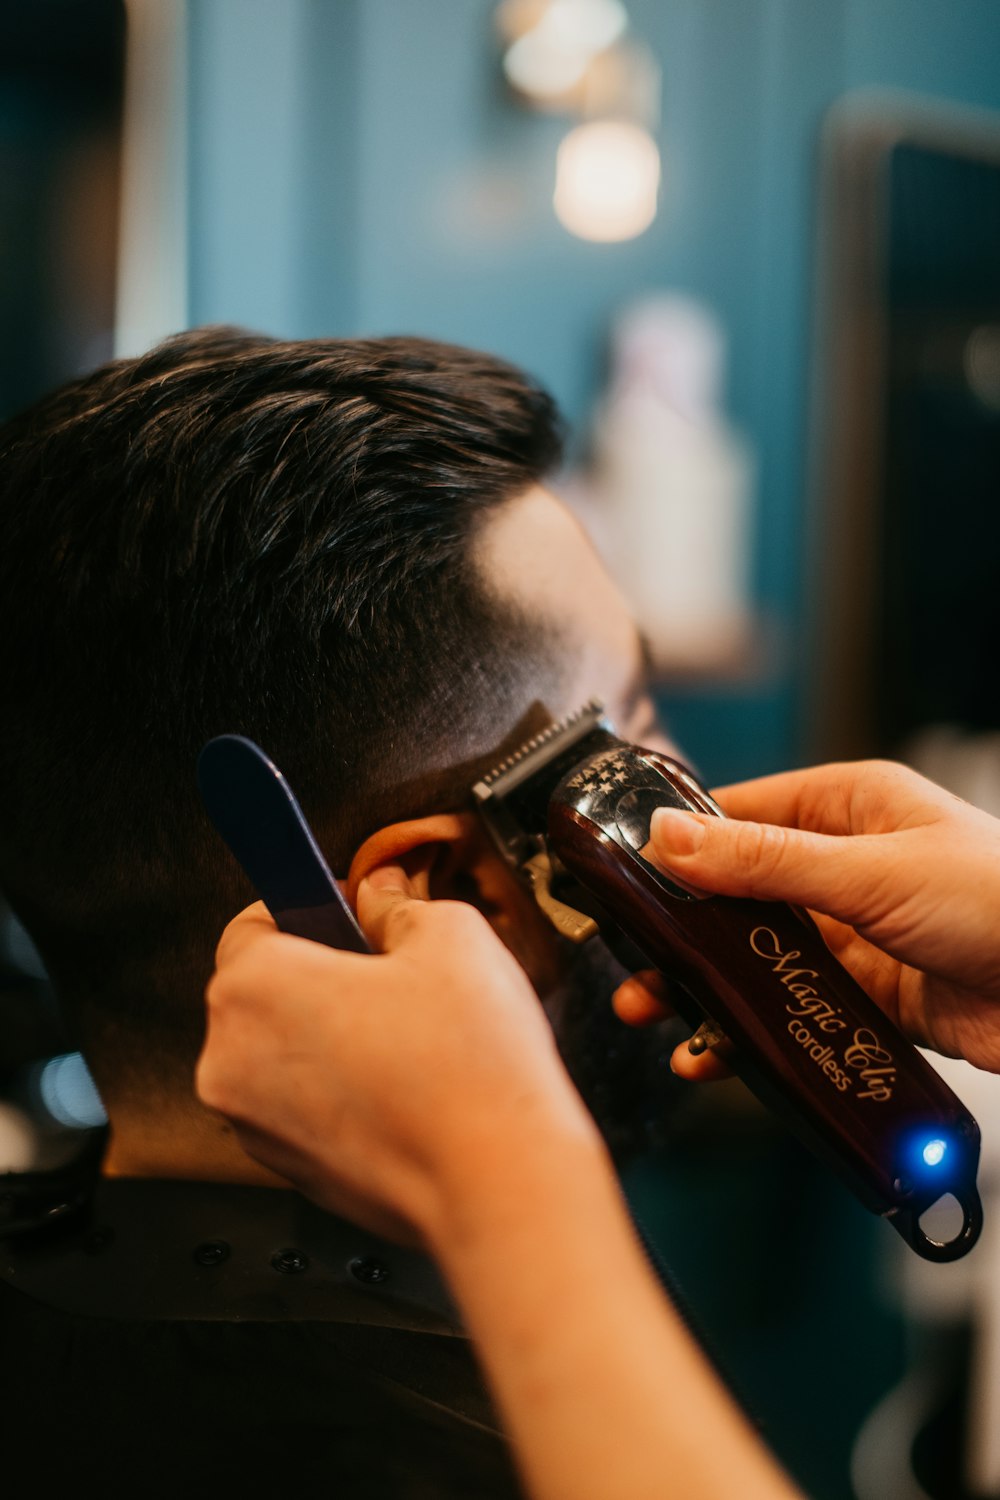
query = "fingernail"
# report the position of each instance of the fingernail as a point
(677, 832)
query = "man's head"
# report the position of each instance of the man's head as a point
(340, 549)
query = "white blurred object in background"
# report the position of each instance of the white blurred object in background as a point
(669, 497)
(968, 1291)
(554, 42)
(607, 180)
(964, 761)
(576, 57)
(152, 299)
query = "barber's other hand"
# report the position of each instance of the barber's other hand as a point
(903, 878)
(377, 1084)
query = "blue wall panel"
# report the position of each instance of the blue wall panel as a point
(356, 167)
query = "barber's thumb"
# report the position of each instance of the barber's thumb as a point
(731, 857)
(385, 897)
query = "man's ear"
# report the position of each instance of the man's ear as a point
(431, 850)
(450, 856)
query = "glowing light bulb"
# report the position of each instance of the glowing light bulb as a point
(551, 55)
(542, 65)
(933, 1152)
(607, 180)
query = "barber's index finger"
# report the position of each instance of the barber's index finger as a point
(386, 898)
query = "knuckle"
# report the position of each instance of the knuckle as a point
(409, 920)
(217, 991)
(228, 942)
(760, 849)
(208, 1084)
(883, 788)
(397, 923)
(229, 986)
(456, 920)
(460, 913)
(890, 773)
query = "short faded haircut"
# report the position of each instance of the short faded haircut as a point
(238, 534)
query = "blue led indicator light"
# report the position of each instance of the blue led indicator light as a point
(933, 1153)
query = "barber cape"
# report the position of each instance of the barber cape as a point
(183, 1338)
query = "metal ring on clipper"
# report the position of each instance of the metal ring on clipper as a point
(908, 1224)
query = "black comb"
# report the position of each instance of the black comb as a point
(256, 812)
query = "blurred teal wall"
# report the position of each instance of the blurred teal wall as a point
(355, 167)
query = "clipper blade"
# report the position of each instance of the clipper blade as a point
(535, 753)
(513, 797)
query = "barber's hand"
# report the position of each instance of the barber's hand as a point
(377, 1084)
(903, 878)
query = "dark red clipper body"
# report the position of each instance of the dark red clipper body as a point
(805, 1037)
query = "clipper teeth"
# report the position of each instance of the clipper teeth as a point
(594, 710)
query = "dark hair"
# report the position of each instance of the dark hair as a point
(237, 534)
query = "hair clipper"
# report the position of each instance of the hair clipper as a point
(571, 811)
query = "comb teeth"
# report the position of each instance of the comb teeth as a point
(588, 717)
